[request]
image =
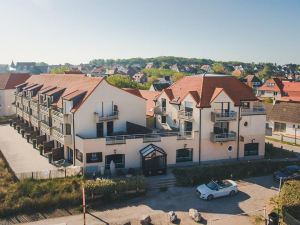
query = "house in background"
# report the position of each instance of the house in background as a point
(4, 68)
(252, 81)
(159, 86)
(8, 81)
(278, 89)
(140, 77)
(284, 118)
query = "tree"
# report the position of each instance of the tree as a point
(60, 69)
(267, 71)
(122, 81)
(218, 68)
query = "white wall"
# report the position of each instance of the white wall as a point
(131, 108)
(6, 99)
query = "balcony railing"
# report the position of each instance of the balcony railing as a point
(26, 116)
(62, 117)
(253, 111)
(34, 105)
(223, 137)
(19, 112)
(45, 110)
(186, 115)
(185, 135)
(35, 121)
(19, 99)
(26, 101)
(111, 116)
(153, 137)
(45, 127)
(160, 110)
(64, 139)
(218, 116)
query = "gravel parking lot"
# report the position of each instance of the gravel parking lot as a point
(254, 194)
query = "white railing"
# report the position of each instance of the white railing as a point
(230, 136)
(110, 116)
(160, 110)
(44, 110)
(19, 112)
(65, 139)
(153, 137)
(185, 135)
(223, 116)
(182, 114)
(45, 127)
(35, 121)
(253, 111)
(34, 105)
(26, 116)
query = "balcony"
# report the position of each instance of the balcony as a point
(220, 116)
(35, 121)
(253, 111)
(108, 117)
(45, 110)
(160, 110)
(26, 116)
(60, 137)
(19, 112)
(185, 135)
(45, 127)
(19, 99)
(61, 117)
(223, 137)
(185, 115)
(26, 101)
(34, 105)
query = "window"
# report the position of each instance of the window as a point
(163, 119)
(251, 149)
(279, 127)
(79, 155)
(298, 126)
(68, 129)
(94, 157)
(118, 159)
(184, 155)
(230, 148)
(245, 105)
(245, 123)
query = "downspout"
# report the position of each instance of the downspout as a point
(74, 154)
(238, 135)
(200, 133)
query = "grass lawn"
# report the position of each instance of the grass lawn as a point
(283, 142)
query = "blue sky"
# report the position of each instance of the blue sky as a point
(59, 31)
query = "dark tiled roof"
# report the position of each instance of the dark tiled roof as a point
(160, 86)
(285, 112)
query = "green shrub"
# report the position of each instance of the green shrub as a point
(272, 152)
(201, 174)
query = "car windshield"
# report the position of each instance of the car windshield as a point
(212, 185)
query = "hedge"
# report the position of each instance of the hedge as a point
(243, 169)
(289, 199)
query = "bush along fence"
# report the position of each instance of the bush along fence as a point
(111, 189)
(243, 169)
(31, 196)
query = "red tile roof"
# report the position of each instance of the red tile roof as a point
(150, 96)
(203, 89)
(67, 83)
(11, 80)
(278, 85)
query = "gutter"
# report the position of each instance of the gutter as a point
(238, 135)
(74, 159)
(200, 134)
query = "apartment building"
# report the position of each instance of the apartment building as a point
(8, 81)
(92, 124)
(220, 111)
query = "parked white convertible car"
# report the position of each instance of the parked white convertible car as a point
(215, 189)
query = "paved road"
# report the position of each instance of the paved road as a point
(21, 156)
(254, 195)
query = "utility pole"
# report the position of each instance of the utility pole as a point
(83, 204)
(295, 135)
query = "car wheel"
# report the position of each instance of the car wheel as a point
(232, 193)
(210, 197)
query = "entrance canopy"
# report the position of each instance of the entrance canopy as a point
(151, 148)
(154, 160)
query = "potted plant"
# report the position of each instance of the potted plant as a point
(34, 143)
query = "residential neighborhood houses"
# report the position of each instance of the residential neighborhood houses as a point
(82, 122)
